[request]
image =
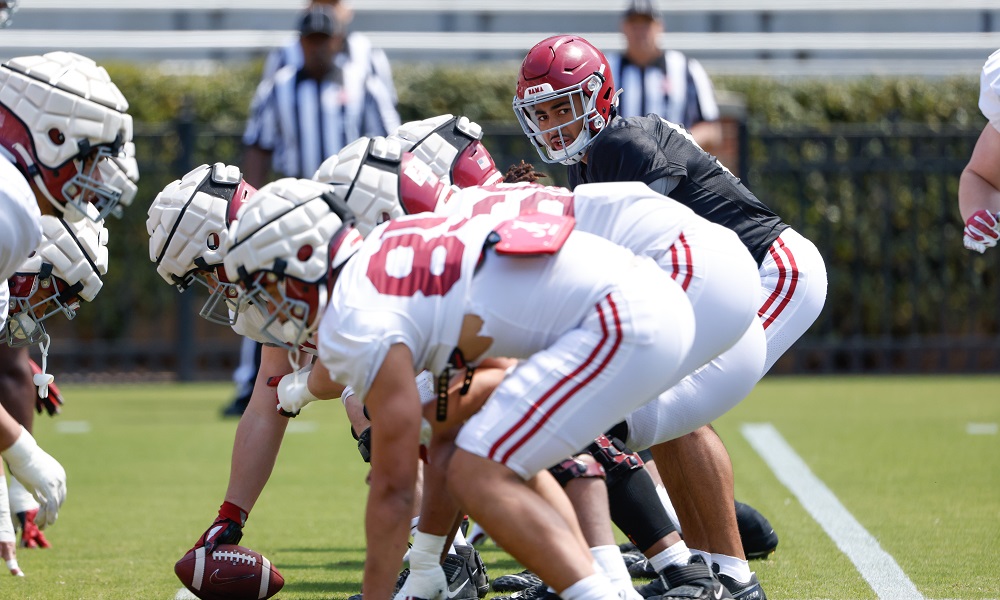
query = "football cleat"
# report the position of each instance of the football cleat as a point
(759, 538)
(538, 592)
(652, 589)
(641, 568)
(693, 581)
(462, 583)
(479, 576)
(516, 582)
(750, 590)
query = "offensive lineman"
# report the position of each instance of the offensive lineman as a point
(566, 101)
(376, 331)
(708, 260)
(36, 180)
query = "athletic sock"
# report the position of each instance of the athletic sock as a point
(706, 556)
(678, 554)
(593, 587)
(734, 567)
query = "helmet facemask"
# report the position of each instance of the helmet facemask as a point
(291, 306)
(85, 186)
(582, 101)
(34, 298)
(225, 302)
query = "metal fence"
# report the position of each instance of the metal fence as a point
(878, 200)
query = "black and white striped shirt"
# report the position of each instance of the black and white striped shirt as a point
(303, 121)
(674, 87)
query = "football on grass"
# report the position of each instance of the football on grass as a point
(227, 573)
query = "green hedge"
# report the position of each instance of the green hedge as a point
(848, 216)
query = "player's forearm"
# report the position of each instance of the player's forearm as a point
(258, 435)
(976, 193)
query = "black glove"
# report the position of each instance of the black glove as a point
(222, 531)
(365, 444)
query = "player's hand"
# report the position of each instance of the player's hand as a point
(293, 392)
(41, 474)
(51, 401)
(981, 231)
(222, 531)
(7, 553)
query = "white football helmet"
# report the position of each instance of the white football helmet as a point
(379, 182)
(7, 10)
(287, 246)
(65, 269)
(188, 224)
(453, 148)
(60, 118)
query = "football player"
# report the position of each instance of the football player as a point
(406, 299)
(188, 224)
(708, 260)
(61, 118)
(565, 100)
(979, 186)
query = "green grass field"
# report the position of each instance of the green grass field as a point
(148, 467)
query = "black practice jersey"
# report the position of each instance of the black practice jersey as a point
(649, 148)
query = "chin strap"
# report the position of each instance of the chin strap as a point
(293, 359)
(43, 380)
(457, 361)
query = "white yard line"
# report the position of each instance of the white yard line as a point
(981, 428)
(72, 427)
(876, 566)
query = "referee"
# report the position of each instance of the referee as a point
(664, 82)
(307, 111)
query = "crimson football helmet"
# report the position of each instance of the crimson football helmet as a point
(291, 239)
(65, 269)
(565, 67)
(378, 181)
(453, 148)
(187, 226)
(61, 117)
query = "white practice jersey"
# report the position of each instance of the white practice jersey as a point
(626, 213)
(413, 282)
(989, 90)
(20, 220)
(20, 226)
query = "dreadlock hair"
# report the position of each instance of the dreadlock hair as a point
(524, 172)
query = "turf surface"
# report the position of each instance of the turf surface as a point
(148, 467)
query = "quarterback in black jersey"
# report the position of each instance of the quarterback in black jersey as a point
(566, 103)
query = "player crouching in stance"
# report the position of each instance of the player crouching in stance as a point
(61, 120)
(188, 224)
(432, 292)
(712, 265)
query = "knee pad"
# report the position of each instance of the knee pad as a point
(615, 457)
(572, 468)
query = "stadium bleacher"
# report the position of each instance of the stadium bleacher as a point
(779, 37)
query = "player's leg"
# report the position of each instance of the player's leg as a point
(548, 406)
(696, 470)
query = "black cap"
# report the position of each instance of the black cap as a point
(320, 19)
(644, 8)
